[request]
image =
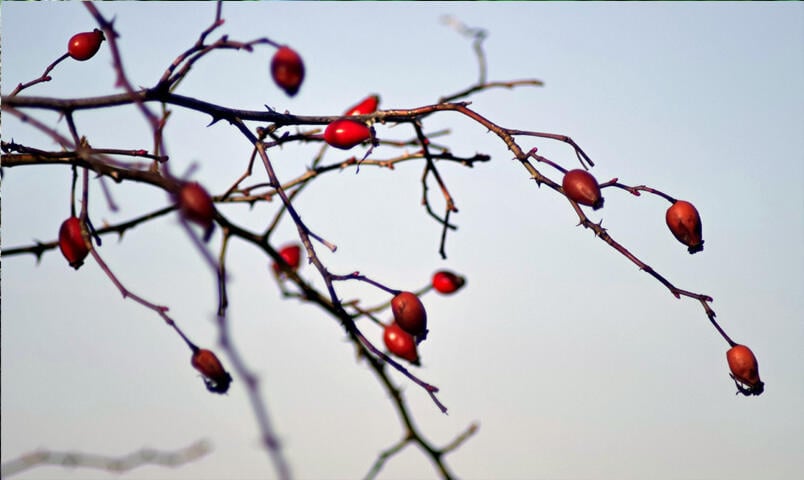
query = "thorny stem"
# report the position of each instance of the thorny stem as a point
(636, 190)
(430, 167)
(42, 78)
(126, 293)
(407, 116)
(479, 35)
(305, 235)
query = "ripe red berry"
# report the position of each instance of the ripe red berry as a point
(345, 134)
(446, 282)
(287, 70)
(216, 378)
(400, 343)
(409, 313)
(196, 205)
(83, 46)
(744, 370)
(581, 187)
(291, 254)
(365, 107)
(72, 243)
(685, 223)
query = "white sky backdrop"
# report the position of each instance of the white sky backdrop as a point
(574, 363)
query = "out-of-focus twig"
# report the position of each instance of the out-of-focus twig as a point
(145, 456)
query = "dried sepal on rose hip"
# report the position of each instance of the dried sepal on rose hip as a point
(195, 205)
(83, 46)
(73, 242)
(345, 134)
(366, 106)
(216, 378)
(581, 187)
(400, 343)
(447, 282)
(409, 313)
(683, 220)
(287, 70)
(291, 254)
(744, 370)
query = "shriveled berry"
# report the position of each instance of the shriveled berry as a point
(401, 343)
(72, 243)
(409, 313)
(345, 134)
(365, 107)
(196, 205)
(83, 46)
(287, 70)
(683, 220)
(291, 254)
(446, 282)
(216, 378)
(581, 187)
(744, 370)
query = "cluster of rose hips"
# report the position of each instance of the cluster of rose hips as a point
(684, 222)
(409, 327)
(287, 70)
(682, 218)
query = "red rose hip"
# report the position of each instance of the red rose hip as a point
(447, 282)
(345, 134)
(744, 370)
(72, 243)
(683, 220)
(401, 343)
(409, 313)
(365, 107)
(83, 46)
(287, 70)
(291, 254)
(581, 187)
(196, 205)
(216, 378)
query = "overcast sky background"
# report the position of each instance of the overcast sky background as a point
(574, 364)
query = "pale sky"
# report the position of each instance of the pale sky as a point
(575, 364)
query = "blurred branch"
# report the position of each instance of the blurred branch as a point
(122, 464)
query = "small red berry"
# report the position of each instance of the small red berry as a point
(196, 205)
(365, 107)
(83, 46)
(291, 254)
(744, 370)
(581, 187)
(72, 243)
(400, 343)
(345, 134)
(446, 282)
(685, 223)
(287, 69)
(216, 378)
(409, 313)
